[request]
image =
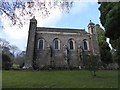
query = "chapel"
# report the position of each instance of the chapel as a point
(59, 47)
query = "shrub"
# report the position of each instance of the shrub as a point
(6, 62)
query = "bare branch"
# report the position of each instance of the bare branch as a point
(15, 11)
(4, 43)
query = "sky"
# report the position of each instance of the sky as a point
(79, 16)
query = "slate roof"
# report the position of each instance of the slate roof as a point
(49, 29)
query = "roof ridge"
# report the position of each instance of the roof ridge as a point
(60, 28)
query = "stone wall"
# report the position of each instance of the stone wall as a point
(43, 57)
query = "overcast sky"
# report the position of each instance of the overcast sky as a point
(78, 17)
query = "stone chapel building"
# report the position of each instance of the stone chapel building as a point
(59, 47)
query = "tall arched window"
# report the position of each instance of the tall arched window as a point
(56, 43)
(71, 44)
(85, 45)
(41, 44)
(92, 30)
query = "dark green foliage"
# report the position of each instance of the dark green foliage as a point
(115, 56)
(6, 62)
(116, 45)
(110, 19)
(106, 56)
(105, 53)
(112, 25)
(22, 65)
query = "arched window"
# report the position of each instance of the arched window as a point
(92, 30)
(71, 44)
(41, 44)
(56, 44)
(85, 45)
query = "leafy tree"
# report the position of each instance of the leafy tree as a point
(6, 62)
(110, 19)
(29, 7)
(91, 63)
(105, 53)
(94, 64)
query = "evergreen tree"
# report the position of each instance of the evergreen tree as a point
(105, 53)
(110, 19)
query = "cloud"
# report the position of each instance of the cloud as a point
(55, 16)
(18, 36)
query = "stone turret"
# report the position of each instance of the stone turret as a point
(91, 28)
(30, 43)
(93, 38)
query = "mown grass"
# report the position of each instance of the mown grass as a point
(0, 79)
(59, 79)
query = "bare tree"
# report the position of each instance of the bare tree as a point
(16, 10)
(14, 49)
(4, 43)
(7, 47)
(20, 59)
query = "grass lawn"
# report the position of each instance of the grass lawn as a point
(0, 79)
(59, 79)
